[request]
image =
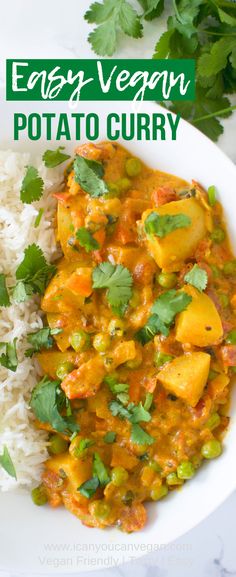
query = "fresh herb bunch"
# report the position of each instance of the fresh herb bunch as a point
(204, 30)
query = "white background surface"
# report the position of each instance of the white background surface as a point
(56, 29)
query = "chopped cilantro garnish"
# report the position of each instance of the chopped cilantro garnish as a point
(197, 277)
(86, 240)
(33, 274)
(6, 463)
(4, 296)
(162, 224)
(38, 218)
(117, 279)
(109, 437)
(140, 437)
(83, 445)
(115, 386)
(110, 17)
(32, 186)
(42, 339)
(9, 359)
(52, 158)
(88, 489)
(89, 173)
(164, 310)
(48, 401)
(99, 470)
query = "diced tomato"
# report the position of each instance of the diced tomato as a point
(228, 354)
(162, 195)
(133, 518)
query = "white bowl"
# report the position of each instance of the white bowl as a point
(43, 540)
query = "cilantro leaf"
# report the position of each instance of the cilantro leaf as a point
(88, 489)
(6, 463)
(52, 158)
(42, 339)
(152, 8)
(4, 296)
(9, 359)
(162, 47)
(163, 224)
(118, 410)
(32, 186)
(83, 445)
(88, 173)
(111, 16)
(99, 470)
(117, 279)
(115, 386)
(86, 239)
(140, 437)
(164, 311)
(153, 326)
(169, 304)
(34, 273)
(109, 437)
(139, 413)
(197, 277)
(213, 62)
(47, 402)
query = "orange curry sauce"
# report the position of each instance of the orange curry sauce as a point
(179, 381)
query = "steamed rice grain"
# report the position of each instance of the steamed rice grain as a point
(27, 445)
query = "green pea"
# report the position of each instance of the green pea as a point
(124, 184)
(39, 496)
(119, 476)
(158, 493)
(218, 235)
(231, 337)
(229, 268)
(172, 479)
(212, 375)
(116, 328)
(167, 279)
(185, 470)
(211, 449)
(224, 300)
(101, 342)
(161, 358)
(101, 510)
(57, 445)
(213, 421)
(215, 271)
(64, 369)
(133, 166)
(80, 341)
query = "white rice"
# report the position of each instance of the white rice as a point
(27, 446)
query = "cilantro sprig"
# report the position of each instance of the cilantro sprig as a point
(164, 310)
(204, 30)
(7, 464)
(33, 274)
(197, 277)
(118, 280)
(163, 224)
(135, 414)
(32, 186)
(50, 405)
(88, 174)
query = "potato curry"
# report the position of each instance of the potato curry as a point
(141, 338)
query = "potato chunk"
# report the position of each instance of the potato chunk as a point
(171, 251)
(200, 323)
(86, 380)
(186, 376)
